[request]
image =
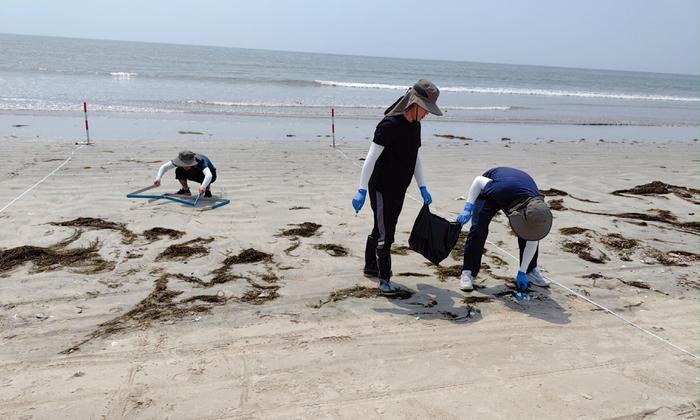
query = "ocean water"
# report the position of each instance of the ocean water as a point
(45, 79)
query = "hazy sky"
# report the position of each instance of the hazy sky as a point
(643, 35)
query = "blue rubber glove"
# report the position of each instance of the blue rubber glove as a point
(521, 281)
(427, 199)
(359, 200)
(464, 216)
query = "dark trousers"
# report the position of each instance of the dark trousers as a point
(193, 174)
(386, 210)
(484, 210)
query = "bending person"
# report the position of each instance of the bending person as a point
(516, 193)
(190, 167)
(391, 162)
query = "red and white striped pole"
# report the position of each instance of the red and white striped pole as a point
(87, 130)
(333, 125)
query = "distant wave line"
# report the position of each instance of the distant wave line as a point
(516, 91)
(359, 106)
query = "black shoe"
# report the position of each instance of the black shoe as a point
(183, 191)
(207, 194)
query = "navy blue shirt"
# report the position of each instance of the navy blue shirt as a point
(394, 168)
(509, 186)
(204, 162)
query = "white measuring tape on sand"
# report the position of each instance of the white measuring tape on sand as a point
(610, 311)
(43, 179)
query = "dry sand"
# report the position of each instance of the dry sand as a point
(242, 323)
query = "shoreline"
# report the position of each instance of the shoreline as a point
(236, 127)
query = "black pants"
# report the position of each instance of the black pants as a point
(386, 210)
(484, 210)
(193, 174)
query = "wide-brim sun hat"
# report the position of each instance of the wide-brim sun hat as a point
(424, 93)
(185, 158)
(531, 220)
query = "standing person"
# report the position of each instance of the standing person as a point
(190, 167)
(516, 193)
(391, 162)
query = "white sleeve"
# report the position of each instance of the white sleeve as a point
(478, 185)
(374, 151)
(207, 177)
(418, 173)
(165, 168)
(528, 253)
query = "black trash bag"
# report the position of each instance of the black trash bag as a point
(433, 236)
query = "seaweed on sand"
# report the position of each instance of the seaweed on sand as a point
(333, 249)
(305, 230)
(360, 292)
(400, 250)
(185, 250)
(575, 230)
(247, 256)
(658, 188)
(159, 305)
(584, 251)
(156, 232)
(55, 257)
(97, 223)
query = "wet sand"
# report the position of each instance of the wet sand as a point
(124, 308)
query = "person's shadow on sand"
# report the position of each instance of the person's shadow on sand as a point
(433, 303)
(539, 304)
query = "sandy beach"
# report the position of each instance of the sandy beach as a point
(263, 312)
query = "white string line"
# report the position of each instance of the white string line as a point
(611, 312)
(43, 179)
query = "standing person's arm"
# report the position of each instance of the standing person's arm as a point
(163, 169)
(474, 190)
(420, 180)
(373, 154)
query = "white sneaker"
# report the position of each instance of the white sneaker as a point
(535, 277)
(466, 282)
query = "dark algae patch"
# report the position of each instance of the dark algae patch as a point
(292, 247)
(659, 188)
(400, 250)
(160, 305)
(247, 256)
(654, 215)
(458, 251)
(445, 272)
(259, 295)
(556, 204)
(97, 223)
(573, 230)
(185, 250)
(361, 292)
(584, 251)
(553, 192)
(155, 233)
(476, 299)
(86, 259)
(333, 249)
(412, 274)
(617, 241)
(305, 230)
